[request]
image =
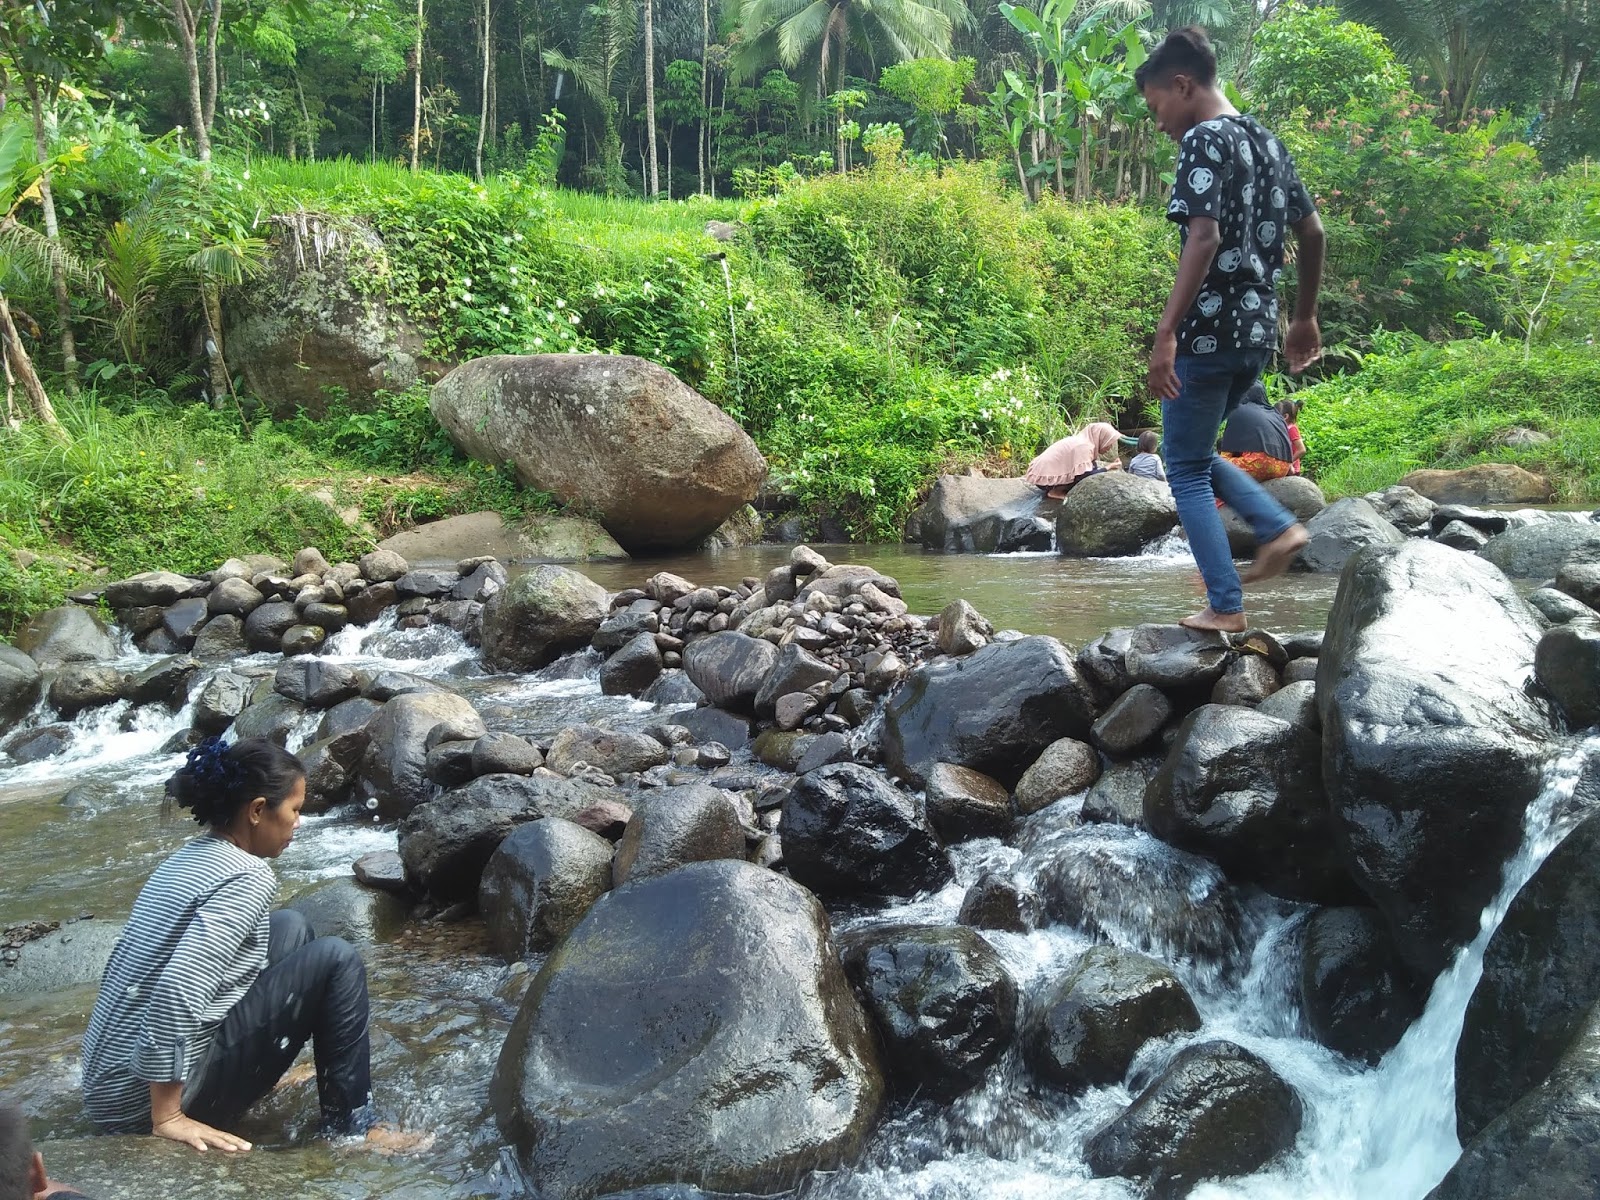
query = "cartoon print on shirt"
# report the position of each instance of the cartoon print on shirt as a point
(1204, 345)
(1209, 304)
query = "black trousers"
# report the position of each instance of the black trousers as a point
(312, 989)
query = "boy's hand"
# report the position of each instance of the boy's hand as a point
(1162, 380)
(1303, 345)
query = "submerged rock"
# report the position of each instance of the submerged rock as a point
(1356, 994)
(736, 1058)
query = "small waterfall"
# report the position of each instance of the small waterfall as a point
(733, 332)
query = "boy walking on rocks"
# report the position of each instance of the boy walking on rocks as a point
(1236, 196)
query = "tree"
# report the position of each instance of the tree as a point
(416, 88)
(21, 251)
(605, 38)
(816, 36)
(650, 92)
(934, 88)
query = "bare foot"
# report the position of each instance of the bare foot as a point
(1215, 622)
(1056, 493)
(1274, 558)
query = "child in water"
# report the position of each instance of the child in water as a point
(1146, 461)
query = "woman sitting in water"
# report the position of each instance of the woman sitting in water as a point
(209, 995)
(1256, 439)
(1065, 463)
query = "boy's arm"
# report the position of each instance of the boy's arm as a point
(1303, 345)
(1199, 249)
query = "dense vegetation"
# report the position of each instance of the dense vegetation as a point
(984, 276)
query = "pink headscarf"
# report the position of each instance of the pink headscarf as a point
(1073, 456)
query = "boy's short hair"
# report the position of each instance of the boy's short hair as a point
(1185, 51)
(1149, 442)
(16, 1155)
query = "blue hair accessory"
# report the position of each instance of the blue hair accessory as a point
(209, 764)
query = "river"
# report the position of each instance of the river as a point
(80, 833)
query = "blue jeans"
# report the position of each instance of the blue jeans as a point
(1210, 388)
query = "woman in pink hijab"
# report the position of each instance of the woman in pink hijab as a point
(1074, 458)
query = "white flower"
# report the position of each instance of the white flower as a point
(507, 239)
(561, 303)
(512, 268)
(467, 281)
(504, 311)
(467, 296)
(516, 237)
(538, 341)
(573, 318)
(645, 286)
(454, 304)
(749, 306)
(940, 291)
(247, 176)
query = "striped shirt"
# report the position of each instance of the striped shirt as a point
(194, 944)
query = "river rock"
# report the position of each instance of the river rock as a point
(1538, 550)
(273, 718)
(795, 670)
(1432, 744)
(393, 769)
(740, 1061)
(332, 765)
(382, 566)
(1114, 514)
(183, 620)
(676, 825)
(1089, 1026)
(944, 1004)
(234, 598)
(730, 668)
(165, 681)
(78, 687)
(35, 745)
(968, 514)
(962, 629)
(606, 750)
(847, 831)
(384, 870)
(1340, 530)
(539, 883)
(315, 683)
(505, 754)
(265, 626)
(995, 901)
(1407, 509)
(67, 634)
(19, 685)
(1458, 535)
(613, 435)
(71, 956)
(963, 804)
(1246, 790)
(1484, 483)
(222, 698)
(1579, 577)
(1217, 1112)
(632, 669)
(303, 639)
(1104, 662)
(714, 725)
(1064, 768)
(1294, 702)
(1173, 656)
(539, 616)
(1298, 494)
(1117, 797)
(343, 908)
(1355, 993)
(348, 717)
(221, 639)
(1540, 984)
(993, 711)
(1567, 664)
(446, 842)
(150, 588)
(1136, 717)
(449, 764)
(673, 688)
(1248, 681)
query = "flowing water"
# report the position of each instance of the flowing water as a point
(79, 834)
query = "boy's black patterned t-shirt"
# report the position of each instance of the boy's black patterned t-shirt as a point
(1235, 171)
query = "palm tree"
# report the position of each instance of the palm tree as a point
(605, 40)
(816, 36)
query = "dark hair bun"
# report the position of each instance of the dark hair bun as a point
(217, 780)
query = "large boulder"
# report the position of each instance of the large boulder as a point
(1340, 530)
(1065, 768)
(312, 325)
(542, 537)
(1432, 743)
(66, 635)
(848, 831)
(539, 616)
(1539, 549)
(1174, 656)
(1355, 993)
(1218, 1111)
(398, 741)
(964, 804)
(1568, 666)
(676, 825)
(695, 1027)
(71, 956)
(1114, 515)
(19, 685)
(539, 883)
(613, 435)
(608, 750)
(968, 514)
(944, 1004)
(993, 710)
(730, 668)
(1246, 790)
(1485, 483)
(1089, 1026)
(1541, 981)
(1298, 494)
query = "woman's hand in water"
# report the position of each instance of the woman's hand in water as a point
(202, 1137)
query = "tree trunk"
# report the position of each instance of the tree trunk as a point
(212, 33)
(416, 93)
(703, 141)
(19, 369)
(650, 91)
(305, 117)
(483, 105)
(372, 154)
(186, 20)
(52, 231)
(669, 163)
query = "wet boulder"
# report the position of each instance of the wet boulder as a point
(151, 588)
(539, 616)
(165, 681)
(265, 626)
(19, 685)
(1432, 743)
(539, 883)
(1538, 550)
(315, 683)
(1216, 1112)
(332, 765)
(1090, 1025)
(633, 668)
(1458, 535)
(1340, 530)
(1295, 703)
(964, 804)
(399, 738)
(1567, 664)
(1135, 717)
(620, 437)
(739, 1061)
(848, 831)
(1064, 768)
(1117, 797)
(42, 742)
(1407, 509)
(273, 718)
(68, 634)
(79, 687)
(968, 514)
(1114, 515)
(944, 1004)
(505, 754)
(730, 668)
(993, 710)
(1299, 494)
(1246, 790)
(1248, 681)
(1540, 984)
(1579, 577)
(182, 622)
(674, 688)
(1173, 656)
(344, 908)
(234, 597)
(997, 901)
(221, 639)
(1104, 662)
(676, 825)
(70, 956)
(795, 670)
(607, 750)
(1355, 993)
(222, 698)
